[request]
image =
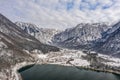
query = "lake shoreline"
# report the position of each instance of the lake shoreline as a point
(101, 70)
(57, 71)
(97, 70)
(78, 67)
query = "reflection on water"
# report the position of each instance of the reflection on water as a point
(55, 72)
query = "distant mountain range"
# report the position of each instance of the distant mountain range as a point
(83, 36)
(100, 37)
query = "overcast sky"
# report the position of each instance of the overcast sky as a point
(61, 14)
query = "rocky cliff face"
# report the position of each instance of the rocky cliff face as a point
(44, 35)
(81, 36)
(110, 42)
(15, 47)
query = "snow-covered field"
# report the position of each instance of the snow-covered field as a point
(65, 57)
(112, 60)
(74, 57)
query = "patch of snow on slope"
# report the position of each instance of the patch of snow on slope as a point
(113, 61)
(64, 57)
(80, 62)
(42, 56)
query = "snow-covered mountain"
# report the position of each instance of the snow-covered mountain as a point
(81, 36)
(44, 35)
(16, 46)
(20, 38)
(110, 42)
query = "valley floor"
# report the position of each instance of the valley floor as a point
(81, 59)
(78, 59)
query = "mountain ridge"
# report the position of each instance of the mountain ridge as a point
(44, 35)
(111, 44)
(82, 35)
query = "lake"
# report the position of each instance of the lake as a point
(56, 72)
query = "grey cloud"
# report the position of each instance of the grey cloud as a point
(53, 14)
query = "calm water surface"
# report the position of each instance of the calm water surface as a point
(55, 72)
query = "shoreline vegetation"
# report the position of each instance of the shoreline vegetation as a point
(97, 70)
(100, 70)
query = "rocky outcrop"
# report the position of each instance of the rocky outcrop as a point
(110, 42)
